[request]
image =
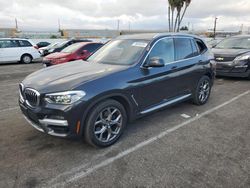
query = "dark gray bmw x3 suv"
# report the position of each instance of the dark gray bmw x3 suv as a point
(129, 77)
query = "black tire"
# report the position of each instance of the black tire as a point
(26, 59)
(202, 93)
(99, 124)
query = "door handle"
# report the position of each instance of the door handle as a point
(174, 67)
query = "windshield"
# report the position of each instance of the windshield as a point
(120, 52)
(58, 45)
(72, 48)
(234, 43)
(53, 44)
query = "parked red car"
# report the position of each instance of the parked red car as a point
(81, 50)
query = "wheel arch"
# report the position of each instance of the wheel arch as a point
(26, 54)
(121, 98)
(209, 75)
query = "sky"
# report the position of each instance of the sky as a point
(136, 14)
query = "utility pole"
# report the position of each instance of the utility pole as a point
(215, 24)
(16, 24)
(118, 25)
(59, 25)
(241, 28)
(129, 26)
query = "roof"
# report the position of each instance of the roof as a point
(13, 39)
(85, 43)
(150, 36)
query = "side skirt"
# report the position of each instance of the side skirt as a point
(165, 104)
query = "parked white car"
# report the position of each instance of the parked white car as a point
(17, 50)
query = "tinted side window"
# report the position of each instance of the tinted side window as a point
(202, 47)
(163, 49)
(92, 47)
(8, 44)
(1, 43)
(24, 43)
(195, 48)
(183, 48)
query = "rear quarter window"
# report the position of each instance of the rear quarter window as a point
(201, 46)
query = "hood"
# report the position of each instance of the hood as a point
(228, 55)
(43, 48)
(229, 52)
(67, 76)
(57, 55)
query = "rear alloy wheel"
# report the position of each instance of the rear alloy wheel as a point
(202, 91)
(26, 59)
(105, 123)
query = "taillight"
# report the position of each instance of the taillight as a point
(36, 47)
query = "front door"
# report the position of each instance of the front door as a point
(158, 84)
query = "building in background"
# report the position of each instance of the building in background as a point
(222, 33)
(8, 32)
(38, 34)
(83, 33)
(94, 34)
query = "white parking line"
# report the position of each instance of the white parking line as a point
(77, 175)
(9, 109)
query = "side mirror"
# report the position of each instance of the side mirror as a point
(155, 62)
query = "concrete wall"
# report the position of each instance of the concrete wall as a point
(75, 33)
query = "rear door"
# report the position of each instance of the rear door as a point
(27, 47)
(187, 59)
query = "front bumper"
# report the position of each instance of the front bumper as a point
(43, 126)
(54, 120)
(231, 70)
(46, 63)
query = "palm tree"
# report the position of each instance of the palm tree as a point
(178, 5)
(187, 3)
(171, 4)
(169, 24)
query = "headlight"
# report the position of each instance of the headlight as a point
(67, 97)
(51, 50)
(241, 58)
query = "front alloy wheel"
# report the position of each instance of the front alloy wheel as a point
(105, 123)
(108, 124)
